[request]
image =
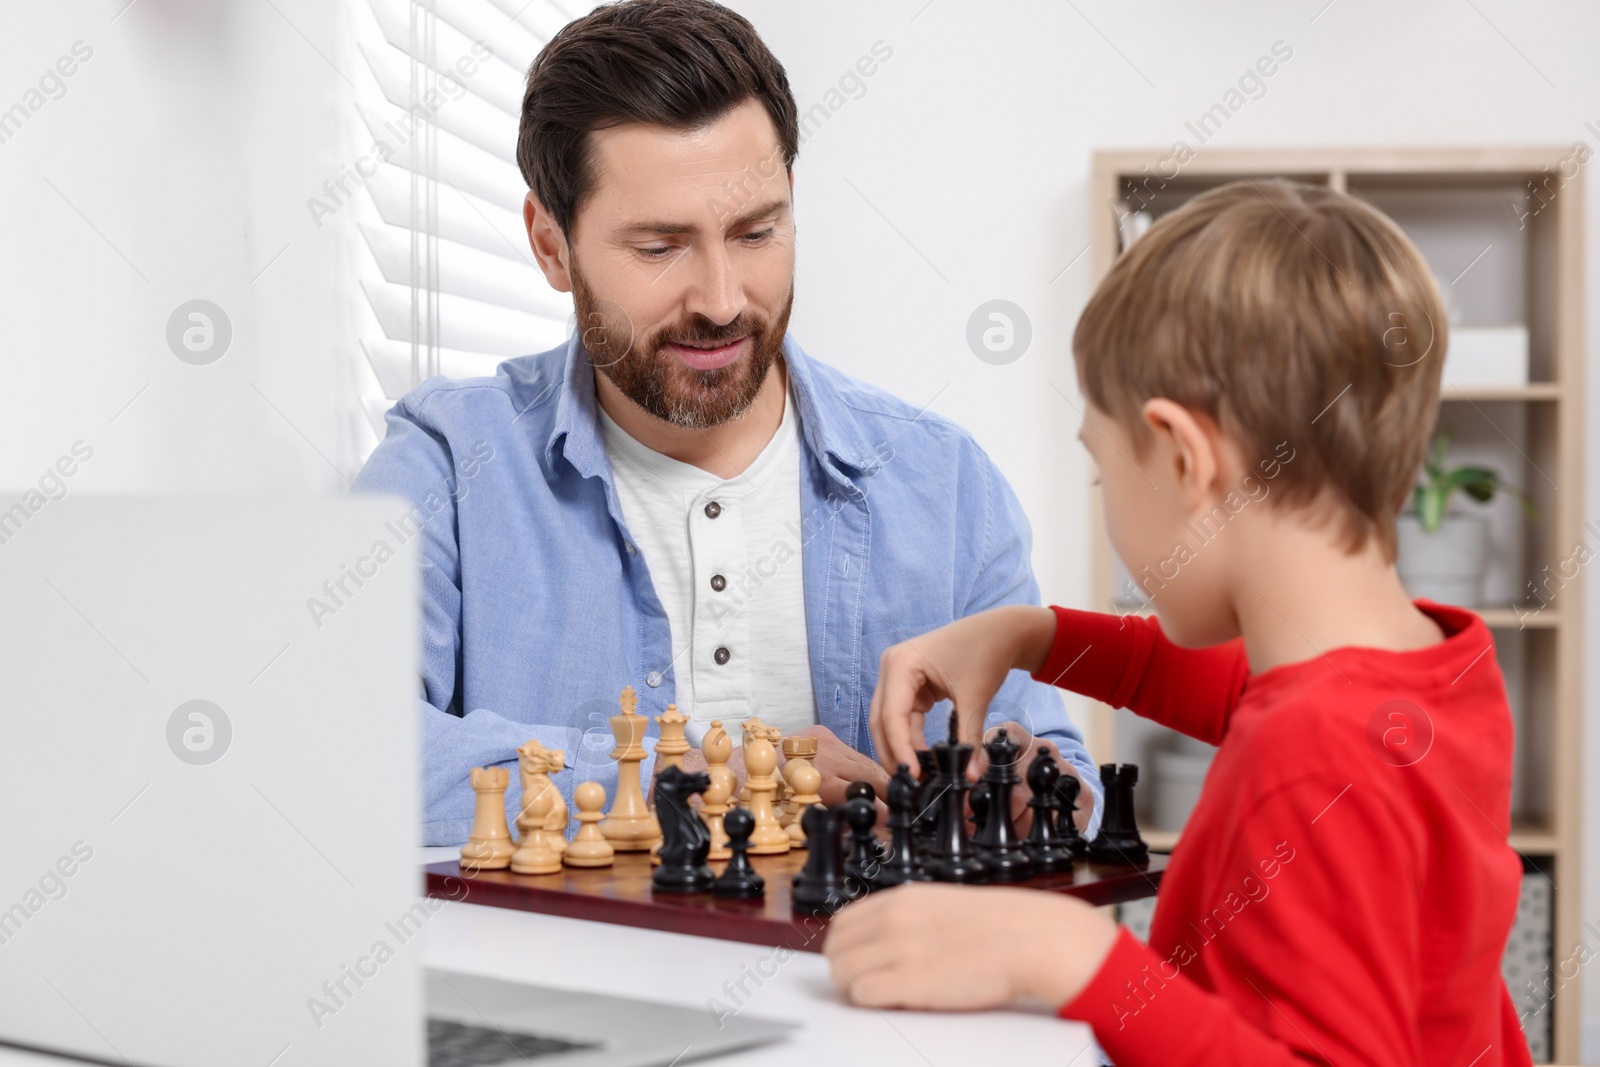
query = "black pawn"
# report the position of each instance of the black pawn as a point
(819, 888)
(1045, 847)
(866, 789)
(954, 860)
(998, 843)
(901, 866)
(1118, 840)
(860, 789)
(862, 868)
(739, 880)
(1067, 789)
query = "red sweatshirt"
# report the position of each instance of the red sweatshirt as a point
(1344, 889)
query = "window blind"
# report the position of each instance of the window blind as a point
(448, 282)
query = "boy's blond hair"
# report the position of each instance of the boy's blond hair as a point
(1284, 312)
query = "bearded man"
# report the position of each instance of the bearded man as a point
(679, 499)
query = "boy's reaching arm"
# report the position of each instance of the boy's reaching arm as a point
(1127, 662)
(964, 662)
(1123, 660)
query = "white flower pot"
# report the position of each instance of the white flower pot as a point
(1447, 565)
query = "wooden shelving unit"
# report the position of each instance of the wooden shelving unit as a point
(1541, 653)
(1528, 838)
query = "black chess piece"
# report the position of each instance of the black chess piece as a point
(739, 880)
(1050, 854)
(685, 841)
(856, 789)
(1118, 840)
(866, 789)
(955, 860)
(925, 824)
(844, 846)
(978, 802)
(819, 888)
(997, 842)
(1067, 789)
(902, 864)
(862, 867)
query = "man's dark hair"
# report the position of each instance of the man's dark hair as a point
(674, 63)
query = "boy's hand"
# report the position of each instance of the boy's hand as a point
(952, 948)
(964, 662)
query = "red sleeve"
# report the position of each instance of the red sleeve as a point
(1127, 662)
(1172, 1021)
(1311, 955)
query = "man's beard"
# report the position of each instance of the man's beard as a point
(644, 372)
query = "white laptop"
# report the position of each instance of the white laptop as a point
(210, 804)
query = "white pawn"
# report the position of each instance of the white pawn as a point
(805, 780)
(717, 747)
(590, 847)
(760, 761)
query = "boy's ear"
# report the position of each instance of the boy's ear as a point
(1188, 441)
(549, 244)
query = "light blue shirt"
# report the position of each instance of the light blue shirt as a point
(538, 608)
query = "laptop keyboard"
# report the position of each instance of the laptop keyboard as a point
(453, 1044)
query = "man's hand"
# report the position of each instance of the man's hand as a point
(964, 662)
(837, 762)
(1028, 747)
(839, 765)
(952, 948)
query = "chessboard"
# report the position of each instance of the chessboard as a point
(622, 894)
(785, 861)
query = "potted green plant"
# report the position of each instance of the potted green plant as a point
(1442, 555)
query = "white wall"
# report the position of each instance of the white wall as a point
(184, 150)
(176, 166)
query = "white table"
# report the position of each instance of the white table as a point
(680, 969)
(676, 968)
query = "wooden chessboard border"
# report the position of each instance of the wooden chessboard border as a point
(621, 894)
